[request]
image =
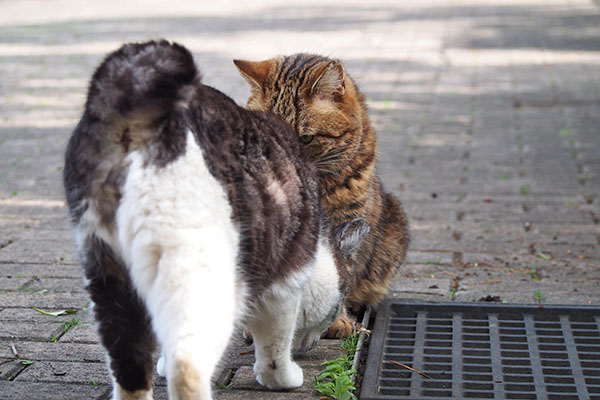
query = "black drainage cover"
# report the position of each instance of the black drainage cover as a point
(483, 351)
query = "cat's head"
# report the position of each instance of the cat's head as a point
(324, 295)
(314, 95)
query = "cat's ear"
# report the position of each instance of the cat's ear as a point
(348, 237)
(331, 80)
(255, 72)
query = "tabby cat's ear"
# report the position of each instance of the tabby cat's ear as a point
(255, 72)
(331, 80)
(348, 236)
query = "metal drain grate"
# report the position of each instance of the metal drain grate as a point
(481, 351)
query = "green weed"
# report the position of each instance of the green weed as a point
(335, 381)
(537, 295)
(566, 132)
(436, 261)
(535, 275)
(70, 324)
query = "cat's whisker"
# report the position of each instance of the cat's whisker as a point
(329, 171)
(331, 156)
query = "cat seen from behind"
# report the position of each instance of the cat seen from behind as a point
(192, 214)
(315, 95)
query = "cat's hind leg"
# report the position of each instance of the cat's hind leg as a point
(272, 326)
(123, 322)
(192, 300)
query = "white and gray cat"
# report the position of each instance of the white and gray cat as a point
(192, 214)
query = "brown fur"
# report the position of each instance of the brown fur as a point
(316, 96)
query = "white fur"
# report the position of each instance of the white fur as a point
(272, 325)
(179, 242)
(121, 394)
(320, 299)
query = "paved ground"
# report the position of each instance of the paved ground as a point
(488, 114)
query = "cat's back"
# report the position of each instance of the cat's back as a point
(147, 108)
(271, 185)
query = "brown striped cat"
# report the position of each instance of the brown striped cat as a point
(323, 104)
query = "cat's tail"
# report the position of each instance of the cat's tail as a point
(142, 82)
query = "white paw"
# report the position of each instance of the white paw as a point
(287, 376)
(161, 366)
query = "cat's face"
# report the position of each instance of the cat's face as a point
(315, 96)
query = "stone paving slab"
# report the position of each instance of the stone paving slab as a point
(52, 391)
(59, 351)
(487, 113)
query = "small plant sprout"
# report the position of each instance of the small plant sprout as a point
(565, 132)
(335, 381)
(537, 295)
(452, 294)
(535, 275)
(67, 325)
(437, 261)
(525, 188)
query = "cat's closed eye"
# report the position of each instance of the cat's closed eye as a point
(306, 139)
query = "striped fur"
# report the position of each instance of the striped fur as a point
(316, 96)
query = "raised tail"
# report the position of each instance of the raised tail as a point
(141, 82)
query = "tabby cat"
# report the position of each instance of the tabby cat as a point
(323, 104)
(191, 214)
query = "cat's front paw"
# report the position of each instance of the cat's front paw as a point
(341, 328)
(275, 377)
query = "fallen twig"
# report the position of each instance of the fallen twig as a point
(410, 368)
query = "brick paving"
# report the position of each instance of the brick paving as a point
(488, 115)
